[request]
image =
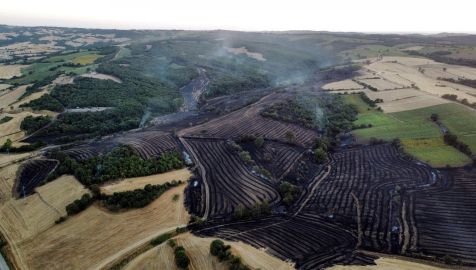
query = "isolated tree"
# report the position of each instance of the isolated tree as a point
(7, 145)
(290, 137)
(259, 141)
(434, 117)
(181, 259)
(444, 69)
(267, 157)
(265, 207)
(320, 155)
(216, 246)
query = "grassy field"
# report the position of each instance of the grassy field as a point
(86, 59)
(377, 119)
(460, 123)
(442, 110)
(372, 51)
(64, 58)
(355, 99)
(124, 53)
(439, 156)
(412, 130)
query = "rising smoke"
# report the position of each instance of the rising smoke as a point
(145, 117)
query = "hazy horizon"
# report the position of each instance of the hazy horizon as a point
(349, 16)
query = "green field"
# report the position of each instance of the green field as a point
(355, 99)
(439, 156)
(425, 113)
(372, 51)
(40, 67)
(461, 123)
(412, 130)
(377, 119)
(33, 77)
(124, 53)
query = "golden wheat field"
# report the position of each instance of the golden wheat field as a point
(140, 182)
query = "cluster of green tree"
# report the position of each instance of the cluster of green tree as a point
(137, 198)
(467, 82)
(366, 99)
(401, 148)
(263, 172)
(464, 101)
(365, 85)
(223, 252)
(256, 209)
(122, 162)
(292, 111)
(247, 138)
(109, 53)
(161, 239)
(7, 146)
(125, 117)
(181, 258)
(79, 205)
(451, 139)
(5, 119)
(45, 102)
(31, 124)
(290, 192)
(244, 155)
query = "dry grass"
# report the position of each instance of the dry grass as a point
(198, 250)
(468, 73)
(257, 56)
(74, 44)
(7, 72)
(388, 264)
(140, 182)
(9, 97)
(13, 125)
(102, 77)
(413, 48)
(343, 85)
(94, 238)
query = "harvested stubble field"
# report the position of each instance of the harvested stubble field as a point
(343, 85)
(248, 121)
(11, 129)
(140, 182)
(5, 158)
(24, 219)
(389, 264)
(198, 250)
(101, 237)
(11, 96)
(405, 99)
(8, 71)
(3, 86)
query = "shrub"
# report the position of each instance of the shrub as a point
(172, 243)
(259, 141)
(320, 155)
(218, 248)
(181, 259)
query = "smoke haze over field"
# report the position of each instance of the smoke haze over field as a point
(246, 15)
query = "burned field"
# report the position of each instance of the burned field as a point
(363, 198)
(31, 174)
(368, 198)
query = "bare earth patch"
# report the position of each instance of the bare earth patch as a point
(257, 56)
(102, 77)
(140, 182)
